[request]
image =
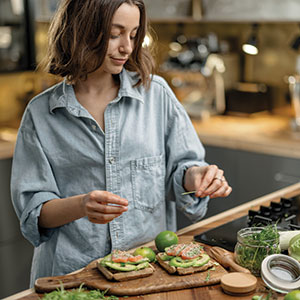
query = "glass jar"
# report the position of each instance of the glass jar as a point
(254, 244)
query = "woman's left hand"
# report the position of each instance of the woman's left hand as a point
(206, 181)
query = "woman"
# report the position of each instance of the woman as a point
(102, 158)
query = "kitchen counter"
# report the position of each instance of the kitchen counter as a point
(261, 132)
(209, 292)
(6, 149)
(8, 136)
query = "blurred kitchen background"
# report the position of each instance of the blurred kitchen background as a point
(244, 105)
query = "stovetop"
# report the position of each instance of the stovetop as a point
(286, 214)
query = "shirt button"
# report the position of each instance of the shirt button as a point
(94, 127)
(112, 160)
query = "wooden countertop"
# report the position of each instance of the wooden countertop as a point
(8, 136)
(210, 292)
(262, 133)
(6, 149)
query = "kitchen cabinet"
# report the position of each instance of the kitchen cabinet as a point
(174, 10)
(45, 9)
(15, 251)
(250, 175)
(223, 10)
(251, 10)
(17, 46)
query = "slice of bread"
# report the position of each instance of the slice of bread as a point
(111, 274)
(179, 270)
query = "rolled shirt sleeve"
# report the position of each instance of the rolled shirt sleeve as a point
(32, 183)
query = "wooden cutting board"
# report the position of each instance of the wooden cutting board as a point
(159, 281)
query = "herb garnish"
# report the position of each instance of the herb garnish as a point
(208, 273)
(207, 276)
(78, 294)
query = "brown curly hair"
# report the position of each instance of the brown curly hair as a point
(79, 35)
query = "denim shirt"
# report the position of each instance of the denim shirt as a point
(61, 151)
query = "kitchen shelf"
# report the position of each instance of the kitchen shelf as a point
(191, 20)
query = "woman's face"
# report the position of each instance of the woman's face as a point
(125, 25)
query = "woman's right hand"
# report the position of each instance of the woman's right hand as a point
(101, 207)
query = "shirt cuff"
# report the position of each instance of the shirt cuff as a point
(191, 206)
(29, 219)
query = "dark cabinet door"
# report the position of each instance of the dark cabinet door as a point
(261, 174)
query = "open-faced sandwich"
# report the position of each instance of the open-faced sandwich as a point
(184, 259)
(122, 266)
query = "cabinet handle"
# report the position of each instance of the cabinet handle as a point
(281, 177)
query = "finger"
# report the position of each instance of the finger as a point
(102, 219)
(107, 197)
(218, 193)
(104, 208)
(208, 185)
(228, 191)
(216, 184)
(213, 173)
(223, 192)
(204, 180)
(219, 175)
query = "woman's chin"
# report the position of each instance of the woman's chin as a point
(116, 70)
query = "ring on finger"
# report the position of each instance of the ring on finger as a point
(219, 178)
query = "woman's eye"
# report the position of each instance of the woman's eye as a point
(133, 37)
(113, 36)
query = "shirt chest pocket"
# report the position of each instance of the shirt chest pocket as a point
(148, 182)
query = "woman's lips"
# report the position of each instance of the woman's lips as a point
(119, 61)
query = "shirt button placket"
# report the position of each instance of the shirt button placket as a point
(112, 167)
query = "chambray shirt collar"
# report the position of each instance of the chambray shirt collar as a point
(64, 95)
(127, 89)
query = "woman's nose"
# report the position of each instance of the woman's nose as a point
(126, 45)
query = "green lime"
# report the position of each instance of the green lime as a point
(145, 252)
(293, 295)
(165, 239)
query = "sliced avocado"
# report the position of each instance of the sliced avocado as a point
(145, 259)
(142, 265)
(182, 263)
(120, 267)
(201, 261)
(165, 257)
(106, 258)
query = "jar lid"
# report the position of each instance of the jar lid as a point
(281, 273)
(238, 283)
